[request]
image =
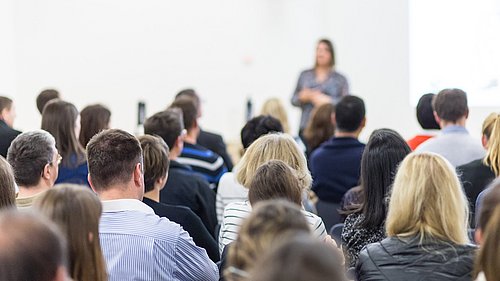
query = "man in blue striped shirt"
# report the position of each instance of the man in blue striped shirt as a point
(137, 244)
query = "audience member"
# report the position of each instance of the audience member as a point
(454, 143)
(137, 244)
(184, 187)
(7, 185)
(269, 222)
(156, 163)
(31, 248)
(383, 153)
(426, 226)
(487, 266)
(320, 127)
(489, 202)
(269, 147)
(425, 117)
(274, 107)
(202, 160)
(35, 162)
(229, 189)
(210, 140)
(476, 175)
(299, 259)
(319, 85)
(7, 117)
(76, 210)
(94, 118)
(44, 97)
(61, 119)
(335, 165)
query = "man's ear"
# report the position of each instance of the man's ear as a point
(89, 179)
(46, 173)
(138, 175)
(436, 117)
(363, 122)
(334, 119)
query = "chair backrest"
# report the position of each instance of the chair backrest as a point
(336, 233)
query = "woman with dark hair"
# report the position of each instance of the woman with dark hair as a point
(61, 120)
(319, 85)
(383, 153)
(7, 185)
(94, 118)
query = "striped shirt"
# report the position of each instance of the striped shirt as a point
(236, 213)
(229, 191)
(203, 161)
(139, 245)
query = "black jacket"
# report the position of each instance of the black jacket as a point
(7, 135)
(406, 259)
(186, 188)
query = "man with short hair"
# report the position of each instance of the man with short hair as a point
(454, 143)
(184, 187)
(203, 161)
(136, 243)
(35, 162)
(210, 140)
(31, 248)
(44, 97)
(7, 117)
(335, 165)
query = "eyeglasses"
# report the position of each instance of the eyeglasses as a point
(58, 161)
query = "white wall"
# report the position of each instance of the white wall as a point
(118, 52)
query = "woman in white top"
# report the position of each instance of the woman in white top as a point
(269, 147)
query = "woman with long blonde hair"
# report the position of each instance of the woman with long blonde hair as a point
(426, 226)
(477, 174)
(77, 210)
(275, 108)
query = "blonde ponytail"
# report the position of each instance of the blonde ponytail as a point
(491, 129)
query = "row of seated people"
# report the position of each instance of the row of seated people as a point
(120, 238)
(286, 151)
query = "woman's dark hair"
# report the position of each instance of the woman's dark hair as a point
(329, 44)
(59, 119)
(383, 153)
(425, 113)
(320, 126)
(94, 118)
(259, 126)
(7, 185)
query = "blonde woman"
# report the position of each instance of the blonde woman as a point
(269, 147)
(274, 107)
(77, 210)
(477, 174)
(426, 226)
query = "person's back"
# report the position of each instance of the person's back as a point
(408, 259)
(335, 165)
(136, 243)
(7, 117)
(454, 143)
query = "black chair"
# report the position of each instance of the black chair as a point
(329, 213)
(336, 233)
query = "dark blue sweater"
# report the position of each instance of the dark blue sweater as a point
(335, 167)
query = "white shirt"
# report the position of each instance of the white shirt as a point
(235, 213)
(229, 191)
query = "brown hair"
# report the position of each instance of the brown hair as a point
(320, 126)
(77, 210)
(167, 124)
(94, 118)
(269, 222)
(329, 44)
(31, 247)
(7, 185)
(189, 110)
(112, 156)
(190, 93)
(301, 258)
(275, 180)
(489, 201)
(59, 119)
(5, 103)
(487, 260)
(450, 104)
(44, 97)
(156, 161)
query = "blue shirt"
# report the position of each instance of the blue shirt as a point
(139, 245)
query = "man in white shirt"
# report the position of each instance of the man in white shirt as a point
(136, 243)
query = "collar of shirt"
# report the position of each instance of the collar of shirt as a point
(454, 129)
(125, 205)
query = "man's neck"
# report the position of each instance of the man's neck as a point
(191, 137)
(153, 194)
(118, 192)
(28, 191)
(340, 134)
(460, 122)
